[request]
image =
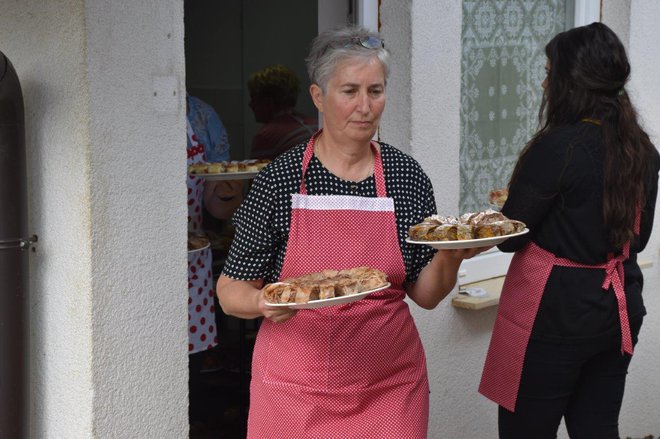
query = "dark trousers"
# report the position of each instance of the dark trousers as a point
(583, 383)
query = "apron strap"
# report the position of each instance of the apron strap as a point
(379, 175)
(614, 277)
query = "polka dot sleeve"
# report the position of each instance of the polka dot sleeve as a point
(262, 222)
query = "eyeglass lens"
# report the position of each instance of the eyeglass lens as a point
(368, 42)
(371, 43)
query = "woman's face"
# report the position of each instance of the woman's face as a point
(354, 99)
(544, 84)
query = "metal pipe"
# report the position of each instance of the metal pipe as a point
(14, 318)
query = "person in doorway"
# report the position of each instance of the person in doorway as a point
(338, 201)
(208, 128)
(220, 199)
(571, 306)
(273, 97)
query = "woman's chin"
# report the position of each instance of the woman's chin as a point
(363, 134)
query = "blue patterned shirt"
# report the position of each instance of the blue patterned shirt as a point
(209, 129)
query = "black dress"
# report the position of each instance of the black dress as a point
(262, 222)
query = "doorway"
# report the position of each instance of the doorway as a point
(225, 43)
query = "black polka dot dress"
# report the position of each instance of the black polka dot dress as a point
(262, 222)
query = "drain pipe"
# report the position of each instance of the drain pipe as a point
(14, 245)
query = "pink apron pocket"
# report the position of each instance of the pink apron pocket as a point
(501, 375)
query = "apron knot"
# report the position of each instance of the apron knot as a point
(614, 277)
(613, 268)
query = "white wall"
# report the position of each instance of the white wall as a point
(422, 117)
(102, 84)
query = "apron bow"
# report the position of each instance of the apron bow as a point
(614, 276)
(614, 272)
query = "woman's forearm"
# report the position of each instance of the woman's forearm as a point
(239, 298)
(435, 281)
(438, 278)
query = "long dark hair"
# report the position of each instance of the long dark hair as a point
(588, 71)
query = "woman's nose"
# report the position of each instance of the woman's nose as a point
(363, 104)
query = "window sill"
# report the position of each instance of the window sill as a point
(493, 289)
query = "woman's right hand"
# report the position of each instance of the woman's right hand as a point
(277, 314)
(245, 300)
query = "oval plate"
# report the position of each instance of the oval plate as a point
(467, 243)
(227, 176)
(342, 300)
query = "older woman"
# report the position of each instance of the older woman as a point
(339, 201)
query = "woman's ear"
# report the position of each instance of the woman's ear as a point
(317, 96)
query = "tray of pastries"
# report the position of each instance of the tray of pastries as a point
(231, 170)
(474, 229)
(197, 242)
(325, 288)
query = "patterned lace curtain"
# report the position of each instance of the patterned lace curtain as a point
(502, 67)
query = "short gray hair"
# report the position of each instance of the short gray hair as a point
(331, 47)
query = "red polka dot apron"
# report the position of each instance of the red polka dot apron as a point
(519, 302)
(348, 371)
(201, 307)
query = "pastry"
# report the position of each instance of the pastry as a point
(497, 197)
(197, 242)
(227, 167)
(325, 284)
(472, 225)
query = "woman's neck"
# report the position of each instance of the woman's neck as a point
(348, 161)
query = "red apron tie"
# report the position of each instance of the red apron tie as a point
(615, 277)
(519, 303)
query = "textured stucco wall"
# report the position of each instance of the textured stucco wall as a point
(616, 14)
(395, 127)
(45, 42)
(422, 118)
(136, 72)
(107, 188)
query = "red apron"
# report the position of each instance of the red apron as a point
(347, 371)
(519, 302)
(202, 333)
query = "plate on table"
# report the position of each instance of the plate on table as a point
(467, 243)
(320, 303)
(227, 175)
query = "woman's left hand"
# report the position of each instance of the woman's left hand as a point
(465, 253)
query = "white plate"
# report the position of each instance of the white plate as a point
(467, 243)
(196, 250)
(227, 176)
(312, 304)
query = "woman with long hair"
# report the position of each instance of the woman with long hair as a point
(571, 306)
